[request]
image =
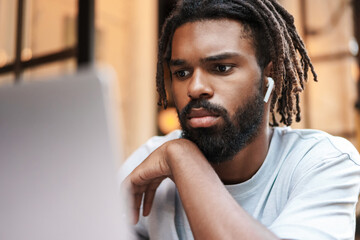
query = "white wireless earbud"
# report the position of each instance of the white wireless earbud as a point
(270, 86)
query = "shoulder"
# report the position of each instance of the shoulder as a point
(320, 181)
(305, 153)
(314, 144)
(144, 151)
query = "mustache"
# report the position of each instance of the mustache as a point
(205, 104)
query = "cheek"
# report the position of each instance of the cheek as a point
(233, 96)
(179, 95)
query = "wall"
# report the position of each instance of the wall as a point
(126, 39)
(328, 104)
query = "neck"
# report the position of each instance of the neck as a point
(248, 160)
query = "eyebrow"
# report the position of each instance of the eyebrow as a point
(218, 57)
(177, 62)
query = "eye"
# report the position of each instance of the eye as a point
(223, 68)
(181, 73)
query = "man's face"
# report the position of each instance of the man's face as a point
(216, 85)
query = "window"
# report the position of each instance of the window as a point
(44, 37)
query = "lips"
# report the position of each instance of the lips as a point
(201, 118)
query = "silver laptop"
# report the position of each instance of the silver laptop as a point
(57, 161)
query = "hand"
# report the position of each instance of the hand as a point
(211, 210)
(146, 178)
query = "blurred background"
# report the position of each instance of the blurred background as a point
(48, 37)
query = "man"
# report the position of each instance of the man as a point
(229, 174)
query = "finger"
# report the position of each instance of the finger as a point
(151, 168)
(135, 192)
(149, 196)
(138, 193)
(136, 206)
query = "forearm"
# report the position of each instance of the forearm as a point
(211, 210)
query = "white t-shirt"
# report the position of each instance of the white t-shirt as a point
(307, 188)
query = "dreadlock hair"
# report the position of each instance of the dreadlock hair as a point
(275, 40)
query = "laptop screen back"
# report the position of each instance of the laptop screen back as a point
(57, 161)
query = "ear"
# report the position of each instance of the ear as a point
(268, 70)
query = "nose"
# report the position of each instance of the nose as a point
(199, 86)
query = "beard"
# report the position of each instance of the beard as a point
(223, 141)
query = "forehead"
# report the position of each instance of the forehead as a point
(211, 37)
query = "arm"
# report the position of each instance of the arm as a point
(220, 218)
